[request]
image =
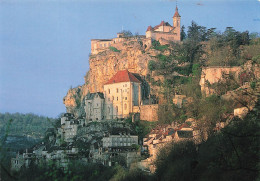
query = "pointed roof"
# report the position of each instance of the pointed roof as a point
(176, 14)
(149, 28)
(123, 76)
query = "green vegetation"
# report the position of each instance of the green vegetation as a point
(231, 154)
(114, 49)
(25, 124)
(157, 46)
(141, 128)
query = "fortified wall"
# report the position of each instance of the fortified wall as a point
(149, 112)
(100, 45)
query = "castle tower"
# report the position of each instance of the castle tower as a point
(177, 24)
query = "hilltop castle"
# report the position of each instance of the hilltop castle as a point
(164, 33)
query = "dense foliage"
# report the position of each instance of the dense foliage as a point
(25, 124)
(230, 154)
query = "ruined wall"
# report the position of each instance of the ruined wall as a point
(214, 74)
(242, 74)
(149, 112)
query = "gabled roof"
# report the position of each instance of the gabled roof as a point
(123, 76)
(176, 14)
(163, 23)
(90, 96)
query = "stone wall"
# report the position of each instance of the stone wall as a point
(149, 112)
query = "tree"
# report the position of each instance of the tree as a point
(196, 33)
(183, 34)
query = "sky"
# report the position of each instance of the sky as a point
(45, 44)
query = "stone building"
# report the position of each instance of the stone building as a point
(121, 140)
(162, 135)
(69, 127)
(122, 93)
(94, 106)
(164, 31)
(98, 45)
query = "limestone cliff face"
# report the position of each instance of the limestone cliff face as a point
(132, 56)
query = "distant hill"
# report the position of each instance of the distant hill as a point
(29, 125)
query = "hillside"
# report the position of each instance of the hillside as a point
(169, 69)
(30, 125)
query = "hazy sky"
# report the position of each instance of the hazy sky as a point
(45, 44)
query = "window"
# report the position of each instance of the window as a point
(97, 104)
(125, 106)
(117, 98)
(125, 85)
(108, 91)
(113, 98)
(116, 108)
(116, 90)
(125, 98)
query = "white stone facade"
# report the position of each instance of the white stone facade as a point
(120, 99)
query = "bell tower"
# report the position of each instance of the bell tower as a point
(177, 24)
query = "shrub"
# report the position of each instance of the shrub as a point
(114, 49)
(152, 65)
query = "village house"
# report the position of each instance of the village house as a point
(69, 127)
(164, 134)
(121, 140)
(119, 148)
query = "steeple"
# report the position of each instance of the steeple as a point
(176, 14)
(177, 23)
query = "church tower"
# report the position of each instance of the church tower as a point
(177, 24)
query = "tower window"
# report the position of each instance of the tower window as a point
(117, 90)
(108, 91)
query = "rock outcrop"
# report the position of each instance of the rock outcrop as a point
(132, 55)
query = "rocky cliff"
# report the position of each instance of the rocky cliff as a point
(132, 55)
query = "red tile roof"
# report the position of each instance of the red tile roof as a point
(149, 28)
(163, 23)
(176, 14)
(123, 76)
(184, 125)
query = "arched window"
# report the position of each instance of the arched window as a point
(116, 108)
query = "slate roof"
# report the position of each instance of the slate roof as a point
(123, 76)
(185, 134)
(90, 96)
